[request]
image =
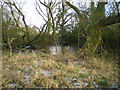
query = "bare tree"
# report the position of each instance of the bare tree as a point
(13, 6)
(56, 17)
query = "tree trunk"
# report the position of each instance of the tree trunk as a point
(95, 35)
(93, 41)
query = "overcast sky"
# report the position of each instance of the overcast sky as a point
(31, 15)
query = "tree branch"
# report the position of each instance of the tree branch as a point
(110, 20)
(75, 8)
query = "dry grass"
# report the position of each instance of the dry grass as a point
(43, 70)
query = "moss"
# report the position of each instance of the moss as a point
(94, 79)
(103, 83)
(82, 75)
(21, 83)
(89, 85)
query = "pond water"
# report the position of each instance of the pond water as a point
(53, 50)
(62, 49)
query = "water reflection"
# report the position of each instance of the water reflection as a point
(62, 49)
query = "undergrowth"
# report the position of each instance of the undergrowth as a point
(33, 70)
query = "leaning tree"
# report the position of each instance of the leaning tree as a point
(96, 22)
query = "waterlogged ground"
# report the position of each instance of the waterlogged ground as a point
(32, 70)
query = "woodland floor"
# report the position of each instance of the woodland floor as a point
(33, 70)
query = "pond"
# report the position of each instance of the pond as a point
(62, 49)
(53, 50)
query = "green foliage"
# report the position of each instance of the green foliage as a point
(11, 31)
(67, 38)
(73, 37)
(82, 75)
(20, 83)
(111, 38)
(44, 41)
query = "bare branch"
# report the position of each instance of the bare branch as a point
(40, 8)
(40, 14)
(43, 4)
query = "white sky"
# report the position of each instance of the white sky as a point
(31, 15)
